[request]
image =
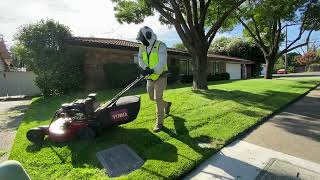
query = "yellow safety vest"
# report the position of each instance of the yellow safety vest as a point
(152, 59)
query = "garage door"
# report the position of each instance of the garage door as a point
(234, 70)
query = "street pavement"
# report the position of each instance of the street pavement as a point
(304, 74)
(292, 136)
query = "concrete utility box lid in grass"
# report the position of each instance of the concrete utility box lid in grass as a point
(281, 170)
(119, 160)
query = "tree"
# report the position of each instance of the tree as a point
(292, 59)
(19, 56)
(241, 48)
(265, 22)
(237, 47)
(196, 23)
(180, 46)
(308, 58)
(41, 47)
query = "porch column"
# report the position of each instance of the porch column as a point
(244, 71)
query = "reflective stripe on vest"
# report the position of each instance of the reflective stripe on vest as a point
(153, 59)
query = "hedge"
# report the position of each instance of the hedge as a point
(119, 75)
(210, 77)
(173, 74)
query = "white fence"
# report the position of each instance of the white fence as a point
(18, 83)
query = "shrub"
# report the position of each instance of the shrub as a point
(214, 77)
(186, 79)
(65, 78)
(59, 68)
(174, 74)
(291, 69)
(119, 75)
(218, 76)
(256, 69)
(225, 76)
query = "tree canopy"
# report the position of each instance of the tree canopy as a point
(237, 47)
(196, 23)
(265, 22)
(180, 46)
(41, 46)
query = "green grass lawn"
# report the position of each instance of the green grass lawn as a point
(214, 117)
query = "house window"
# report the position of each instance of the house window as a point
(218, 67)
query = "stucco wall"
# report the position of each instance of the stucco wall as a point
(18, 83)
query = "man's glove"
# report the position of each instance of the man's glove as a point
(147, 71)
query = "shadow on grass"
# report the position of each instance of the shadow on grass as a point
(204, 145)
(83, 152)
(186, 85)
(270, 100)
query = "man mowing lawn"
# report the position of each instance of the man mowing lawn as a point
(153, 59)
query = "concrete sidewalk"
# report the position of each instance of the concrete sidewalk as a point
(11, 113)
(292, 138)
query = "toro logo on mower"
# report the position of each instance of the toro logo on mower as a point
(119, 115)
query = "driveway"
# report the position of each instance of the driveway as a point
(11, 113)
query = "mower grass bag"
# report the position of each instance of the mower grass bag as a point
(124, 110)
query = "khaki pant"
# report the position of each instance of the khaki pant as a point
(155, 90)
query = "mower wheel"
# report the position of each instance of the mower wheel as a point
(86, 133)
(35, 135)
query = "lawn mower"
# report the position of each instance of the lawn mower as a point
(86, 118)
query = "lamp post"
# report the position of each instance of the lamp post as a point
(286, 54)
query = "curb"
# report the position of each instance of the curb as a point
(14, 98)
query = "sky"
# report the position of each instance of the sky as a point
(87, 19)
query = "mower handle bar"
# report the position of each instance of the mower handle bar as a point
(117, 96)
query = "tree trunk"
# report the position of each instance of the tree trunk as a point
(269, 66)
(199, 64)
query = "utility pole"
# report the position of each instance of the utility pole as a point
(286, 54)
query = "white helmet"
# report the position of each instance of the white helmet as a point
(146, 36)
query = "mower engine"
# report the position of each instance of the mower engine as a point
(80, 109)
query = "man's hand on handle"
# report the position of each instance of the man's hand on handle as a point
(147, 71)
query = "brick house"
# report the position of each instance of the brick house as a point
(100, 51)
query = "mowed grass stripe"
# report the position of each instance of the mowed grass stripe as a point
(214, 117)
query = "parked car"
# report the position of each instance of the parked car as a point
(282, 71)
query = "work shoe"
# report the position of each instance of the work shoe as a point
(167, 109)
(157, 128)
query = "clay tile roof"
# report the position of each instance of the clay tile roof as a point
(103, 43)
(134, 46)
